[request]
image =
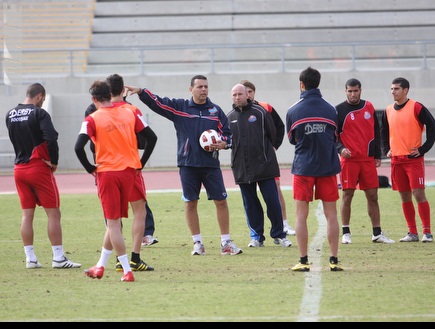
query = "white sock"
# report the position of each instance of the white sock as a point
(197, 238)
(30, 254)
(224, 238)
(284, 221)
(104, 257)
(58, 254)
(125, 263)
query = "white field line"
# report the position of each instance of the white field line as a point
(310, 304)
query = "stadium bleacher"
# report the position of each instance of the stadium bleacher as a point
(56, 27)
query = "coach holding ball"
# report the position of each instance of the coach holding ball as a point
(191, 117)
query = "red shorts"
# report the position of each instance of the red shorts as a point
(322, 188)
(407, 173)
(139, 191)
(36, 185)
(114, 190)
(361, 174)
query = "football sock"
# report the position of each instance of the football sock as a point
(424, 213)
(30, 253)
(224, 238)
(197, 238)
(376, 231)
(409, 212)
(58, 254)
(333, 260)
(135, 257)
(125, 263)
(104, 257)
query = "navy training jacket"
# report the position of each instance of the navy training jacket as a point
(190, 120)
(312, 127)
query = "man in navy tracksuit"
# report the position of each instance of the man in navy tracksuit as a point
(197, 167)
(312, 128)
(254, 163)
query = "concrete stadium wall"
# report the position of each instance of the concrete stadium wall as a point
(69, 98)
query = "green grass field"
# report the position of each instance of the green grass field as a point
(386, 283)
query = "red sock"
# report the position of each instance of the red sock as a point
(409, 212)
(424, 212)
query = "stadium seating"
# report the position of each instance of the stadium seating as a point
(196, 25)
(56, 27)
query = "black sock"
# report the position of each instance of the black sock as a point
(376, 231)
(135, 257)
(304, 260)
(333, 260)
(346, 230)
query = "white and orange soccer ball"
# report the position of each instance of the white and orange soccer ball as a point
(207, 138)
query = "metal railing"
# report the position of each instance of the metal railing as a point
(278, 58)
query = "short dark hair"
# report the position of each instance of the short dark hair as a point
(199, 77)
(34, 90)
(100, 90)
(248, 84)
(116, 83)
(402, 82)
(352, 82)
(310, 77)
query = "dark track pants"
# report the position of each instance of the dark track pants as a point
(254, 210)
(149, 222)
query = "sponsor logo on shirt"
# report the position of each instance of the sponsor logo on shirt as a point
(212, 111)
(20, 114)
(315, 128)
(367, 115)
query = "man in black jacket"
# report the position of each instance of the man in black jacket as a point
(254, 163)
(280, 132)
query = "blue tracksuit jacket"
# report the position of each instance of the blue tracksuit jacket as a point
(190, 120)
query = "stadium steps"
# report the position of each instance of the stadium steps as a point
(51, 26)
(228, 22)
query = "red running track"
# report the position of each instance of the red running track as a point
(70, 183)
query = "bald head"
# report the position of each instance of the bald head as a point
(239, 95)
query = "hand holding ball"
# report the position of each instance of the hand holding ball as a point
(208, 138)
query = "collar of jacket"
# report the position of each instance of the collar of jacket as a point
(208, 103)
(244, 108)
(311, 93)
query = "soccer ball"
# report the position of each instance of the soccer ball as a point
(207, 138)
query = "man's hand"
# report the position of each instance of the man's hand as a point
(132, 90)
(414, 153)
(345, 153)
(219, 145)
(378, 162)
(52, 166)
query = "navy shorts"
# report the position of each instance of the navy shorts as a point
(192, 178)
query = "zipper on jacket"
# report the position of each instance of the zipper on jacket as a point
(185, 147)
